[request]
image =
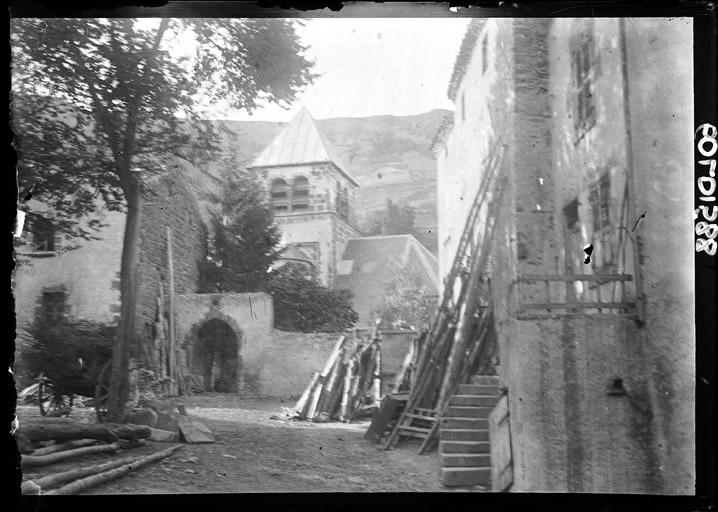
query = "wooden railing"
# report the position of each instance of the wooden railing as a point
(602, 293)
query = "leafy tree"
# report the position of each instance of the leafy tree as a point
(120, 93)
(408, 301)
(393, 220)
(245, 240)
(302, 304)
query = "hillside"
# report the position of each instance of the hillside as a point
(389, 157)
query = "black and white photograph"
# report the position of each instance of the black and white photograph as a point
(322, 253)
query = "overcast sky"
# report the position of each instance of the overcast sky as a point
(373, 66)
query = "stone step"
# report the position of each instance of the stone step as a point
(486, 380)
(473, 400)
(463, 435)
(462, 423)
(465, 460)
(455, 411)
(464, 477)
(479, 389)
(464, 447)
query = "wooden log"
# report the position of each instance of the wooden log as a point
(29, 461)
(105, 476)
(348, 379)
(332, 359)
(50, 481)
(376, 384)
(316, 395)
(332, 382)
(332, 402)
(44, 430)
(304, 399)
(403, 372)
(75, 443)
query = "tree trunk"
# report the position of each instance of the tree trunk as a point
(44, 431)
(129, 290)
(132, 187)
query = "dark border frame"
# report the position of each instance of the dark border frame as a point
(705, 87)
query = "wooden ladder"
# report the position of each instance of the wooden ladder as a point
(423, 422)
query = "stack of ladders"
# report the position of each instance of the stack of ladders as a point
(459, 341)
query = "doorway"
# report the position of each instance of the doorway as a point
(216, 356)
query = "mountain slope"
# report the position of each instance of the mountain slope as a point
(389, 156)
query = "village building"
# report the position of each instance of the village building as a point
(225, 341)
(313, 196)
(369, 265)
(589, 134)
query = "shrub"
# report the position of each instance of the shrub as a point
(302, 304)
(55, 349)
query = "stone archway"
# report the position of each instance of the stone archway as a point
(216, 361)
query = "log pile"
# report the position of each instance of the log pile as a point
(349, 385)
(44, 442)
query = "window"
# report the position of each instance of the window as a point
(484, 54)
(582, 65)
(599, 198)
(43, 234)
(300, 194)
(53, 306)
(280, 196)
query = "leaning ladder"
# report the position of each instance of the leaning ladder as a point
(422, 422)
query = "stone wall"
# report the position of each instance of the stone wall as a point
(281, 364)
(168, 204)
(663, 166)
(570, 433)
(570, 430)
(249, 315)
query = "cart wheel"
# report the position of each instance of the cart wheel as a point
(50, 401)
(102, 391)
(47, 397)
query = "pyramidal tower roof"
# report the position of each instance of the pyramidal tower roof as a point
(299, 142)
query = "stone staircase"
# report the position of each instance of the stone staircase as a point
(464, 434)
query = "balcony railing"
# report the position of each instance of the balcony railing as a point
(575, 293)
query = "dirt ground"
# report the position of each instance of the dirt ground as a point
(254, 453)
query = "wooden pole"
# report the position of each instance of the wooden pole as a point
(43, 460)
(68, 476)
(75, 443)
(402, 375)
(348, 379)
(377, 375)
(171, 312)
(304, 399)
(99, 478)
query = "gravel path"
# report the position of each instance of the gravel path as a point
(255, 453)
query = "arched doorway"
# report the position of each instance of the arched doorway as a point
(216, 356)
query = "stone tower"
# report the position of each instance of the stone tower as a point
(313, 195)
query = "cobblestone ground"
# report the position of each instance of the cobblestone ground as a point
(255, 453)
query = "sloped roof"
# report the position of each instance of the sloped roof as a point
(374, 259)
(300, 142)
(464, 56)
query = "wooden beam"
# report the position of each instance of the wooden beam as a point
(171, 312)
(574, 277)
